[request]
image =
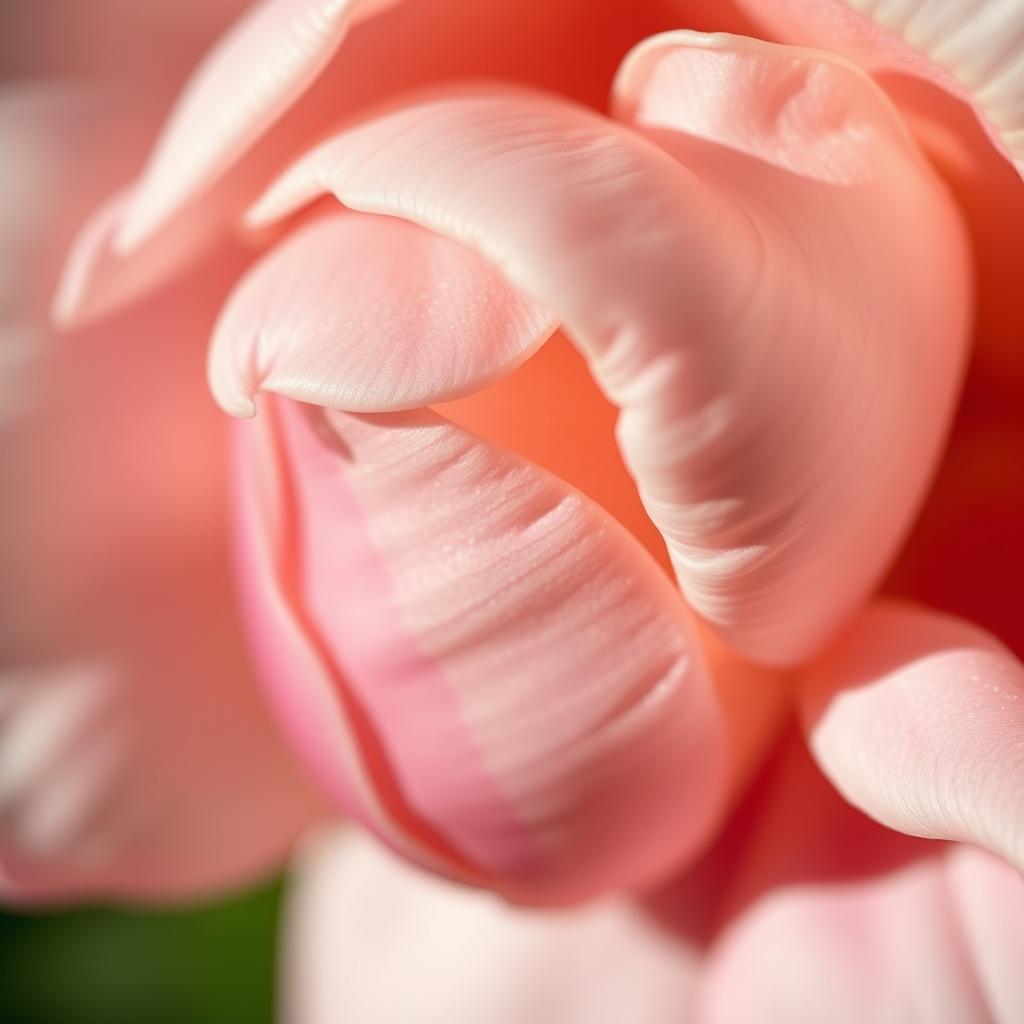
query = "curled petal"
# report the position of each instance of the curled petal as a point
(784, 375)
(244, 84)
(972, 48)
(918, 719)
(370, 314)
(476, 660)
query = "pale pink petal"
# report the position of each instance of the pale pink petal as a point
(971, 47)
(833, 918)
(918, 718)
(781, 321)
(137, 759)
(506, 677)
(244, 84)
(370, 314)
(371, 940)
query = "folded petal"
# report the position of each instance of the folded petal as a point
(370, 314)
(368, 938)
(475, 659)
(784, 378)
(275, 50)
(918, 718)
(972, 47)
(137, 758)
(832, 917)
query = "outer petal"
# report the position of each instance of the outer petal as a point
(370, 314)
(371, 940)
(918, 718)
(245, 83)
(506, 679)
(136, 757)
(834, 918)
(784, 381)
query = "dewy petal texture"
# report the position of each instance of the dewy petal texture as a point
(918, 719)
(244, 84)
(470, 613)
(371, 939)
(370, 314)
(780, 315)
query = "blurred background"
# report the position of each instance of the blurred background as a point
(209, 964)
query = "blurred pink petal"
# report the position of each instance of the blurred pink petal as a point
(370, 314)
(255, 72)
(137, 759)
(443, 624)
(918, 718)
(784, 454)
(369, 939)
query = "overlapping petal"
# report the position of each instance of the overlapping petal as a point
(370, 314)
(972, 47)
(918, 718)
(443, 626)
(785, 381)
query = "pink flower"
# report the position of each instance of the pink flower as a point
(577, 442)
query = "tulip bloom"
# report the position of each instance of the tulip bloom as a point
(614, 419)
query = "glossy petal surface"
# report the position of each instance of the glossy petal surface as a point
(370, 314)
(784, 380)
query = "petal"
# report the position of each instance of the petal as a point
(368, 938)
(781, 422)
(137, 759)
(972, 47)
(370, 314)
(505, 676)
(245, 83)
(831, 917)
(918, 719)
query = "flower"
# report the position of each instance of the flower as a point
(481, 302)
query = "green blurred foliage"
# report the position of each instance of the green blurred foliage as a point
(98, 966)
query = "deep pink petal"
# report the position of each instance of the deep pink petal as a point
(370, 314)
(477, 660)
(368, 938)
(784, 376)
(918, 718)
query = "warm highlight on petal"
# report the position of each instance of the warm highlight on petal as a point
(784, 379)
(370, 314)
(474, 610)
(918, 718)
(243, 85)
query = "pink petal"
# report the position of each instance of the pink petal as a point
(833, 918)
(918, 718)
(370, 314)
(783, 455)
(475, 659)
(971, 47)
(137, 759)
(245, 83)
(368, 938)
